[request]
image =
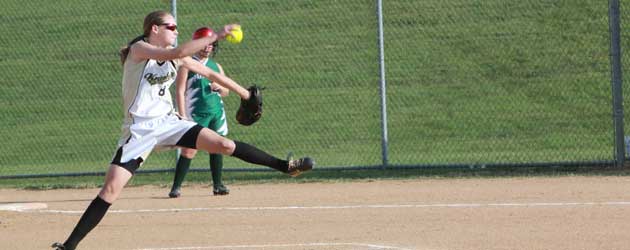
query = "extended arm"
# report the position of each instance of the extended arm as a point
(143, 50)
(223, 92)
(215, 77)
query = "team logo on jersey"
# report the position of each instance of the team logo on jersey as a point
(196, 77)
(157, 79)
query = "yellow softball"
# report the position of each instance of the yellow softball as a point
(236, 36)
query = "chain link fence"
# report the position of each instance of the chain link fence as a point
(468, 82)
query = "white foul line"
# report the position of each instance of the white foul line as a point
(371, 246)
(22, 207)
(442, 205)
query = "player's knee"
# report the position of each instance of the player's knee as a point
(189, 153)
(109, 193)
(226, 146)
(211, 142)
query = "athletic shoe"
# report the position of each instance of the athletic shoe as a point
(174, 193)
(220, 190)
(297, 167)
(58, 246)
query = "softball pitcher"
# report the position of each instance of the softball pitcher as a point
(150, 66)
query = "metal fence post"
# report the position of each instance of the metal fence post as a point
(174, 13)
(616, 80)
(381, 54)
(178, 152)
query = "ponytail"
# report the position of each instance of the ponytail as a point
(215, 48)
(124, 52)
(153, 18)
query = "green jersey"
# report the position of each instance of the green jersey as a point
(204, 105)
(200, 98)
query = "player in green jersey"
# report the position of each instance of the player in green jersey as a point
(199, 99)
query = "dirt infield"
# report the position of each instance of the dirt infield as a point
(503, 213)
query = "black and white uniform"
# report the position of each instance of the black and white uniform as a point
(150, 121)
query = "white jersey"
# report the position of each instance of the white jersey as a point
(145, 87)
(149, 121)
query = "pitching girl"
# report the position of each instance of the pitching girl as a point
(150, 64)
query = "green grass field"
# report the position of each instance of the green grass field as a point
(468, 81)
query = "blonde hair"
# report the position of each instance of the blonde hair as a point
(153, 18)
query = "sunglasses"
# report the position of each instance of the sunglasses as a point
(169, 26)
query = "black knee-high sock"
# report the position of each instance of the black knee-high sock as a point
(216, 167)
(91, 217)
(183, 164)
(254, 155)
